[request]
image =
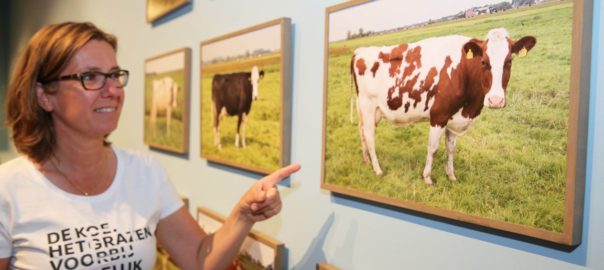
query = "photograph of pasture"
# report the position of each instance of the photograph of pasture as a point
(458, 109)
(167, 80)
(258, 252)
(245, 97)
(159, 8)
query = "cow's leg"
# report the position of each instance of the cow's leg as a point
(238, 133)
(153, 118)
(368, 117)
(168, 119)
(361, 135)
(450, 139)
(243, 124)
(433, 140)
(217, 117)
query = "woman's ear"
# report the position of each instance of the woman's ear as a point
(43, 99)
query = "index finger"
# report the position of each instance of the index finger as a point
(277, 176)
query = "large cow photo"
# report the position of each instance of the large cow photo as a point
(460, 111)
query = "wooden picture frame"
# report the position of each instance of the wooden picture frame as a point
(167, 92)
(258, 251)
(231, 64)
(157, 9)
(326, 266)
(520, 169)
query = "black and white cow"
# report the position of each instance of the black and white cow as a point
(232, 94)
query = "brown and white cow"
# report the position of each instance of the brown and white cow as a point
(232, 94)
(444, 80)
(165, 92)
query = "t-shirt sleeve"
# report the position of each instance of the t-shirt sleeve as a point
(5, 242)
(5, 239)
(169, 199)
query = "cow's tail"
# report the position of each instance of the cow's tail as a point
(352, 80)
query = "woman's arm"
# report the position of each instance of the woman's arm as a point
(192, 248)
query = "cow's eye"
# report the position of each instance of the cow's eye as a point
(485, 64)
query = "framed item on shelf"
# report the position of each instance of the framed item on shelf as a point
(166, 112)
(402, 100)
(246, 97)
(258, 251)
(160, 8)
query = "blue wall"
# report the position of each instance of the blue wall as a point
(4, 27)
(314, 225)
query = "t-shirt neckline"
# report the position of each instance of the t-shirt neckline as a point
(42, 179)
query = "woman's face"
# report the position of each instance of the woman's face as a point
(85, 113)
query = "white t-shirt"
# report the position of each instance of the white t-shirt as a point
(44, 227)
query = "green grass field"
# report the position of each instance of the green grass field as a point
(511, 164)
(263, 128)
(176, 141)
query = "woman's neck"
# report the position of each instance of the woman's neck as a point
(81, 167)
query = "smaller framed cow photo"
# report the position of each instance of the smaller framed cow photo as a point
(157, 9)
(258, 251)
(246, 97)
(443, 112)
(166, 112)
(326, 266)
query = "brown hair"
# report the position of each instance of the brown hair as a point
(44, 58)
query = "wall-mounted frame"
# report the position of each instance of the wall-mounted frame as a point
(167, 90)
(326, 266)
(520, 169)
(258, 251)
(232, 66)
(160, 8)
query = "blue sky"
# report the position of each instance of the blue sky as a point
(268, 38)
(388, 14)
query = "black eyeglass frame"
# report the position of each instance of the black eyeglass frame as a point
(80, 76)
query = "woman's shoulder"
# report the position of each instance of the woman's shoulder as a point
(15, 166)
(14, 171)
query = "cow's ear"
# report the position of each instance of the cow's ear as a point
(262, 74)
(523, 45)
(472, 49)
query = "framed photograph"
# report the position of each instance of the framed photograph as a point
(246, 97)
(326, 266)
(160, 8)
(258, 251)
(426, 113)
(167, 83)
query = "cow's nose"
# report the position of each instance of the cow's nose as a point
(496, 102)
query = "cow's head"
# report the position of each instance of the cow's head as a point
(495, 55)
(255, 79)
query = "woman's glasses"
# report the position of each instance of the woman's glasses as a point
(95, 80)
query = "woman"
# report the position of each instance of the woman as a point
(74, 201)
